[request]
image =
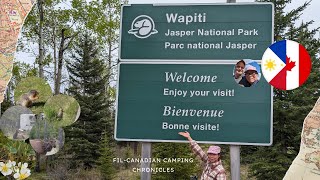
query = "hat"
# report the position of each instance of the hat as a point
(250, 67)
(214, 150)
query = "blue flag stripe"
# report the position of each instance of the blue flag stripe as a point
(280, 50)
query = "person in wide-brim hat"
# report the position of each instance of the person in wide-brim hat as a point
(213, 169)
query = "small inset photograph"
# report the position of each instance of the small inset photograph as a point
(45, 138)
(247, 73)
(16, 122)
(62, 110)
(32, 93)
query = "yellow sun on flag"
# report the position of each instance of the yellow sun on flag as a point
(270, 65)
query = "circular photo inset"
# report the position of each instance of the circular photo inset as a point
(286, 65)
(46, 138)
(16, 122)
(247, 73)
(62, 110)
(32, 92)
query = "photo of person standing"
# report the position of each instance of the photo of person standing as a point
(213, 167)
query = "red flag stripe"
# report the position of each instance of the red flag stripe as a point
(279, 81)
(304, 65)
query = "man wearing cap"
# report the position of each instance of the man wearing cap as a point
(213, 169)
(251, 76)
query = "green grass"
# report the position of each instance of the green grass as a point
(39, 176)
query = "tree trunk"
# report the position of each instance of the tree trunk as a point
(64, 44)
(54, 57)
(60, 64)
(40, 62)
(41, 53)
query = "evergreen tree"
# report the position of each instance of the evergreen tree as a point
(105, 161)
(171, 151)
(88, 78)
(290, 107)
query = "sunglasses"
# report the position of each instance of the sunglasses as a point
(251, 73)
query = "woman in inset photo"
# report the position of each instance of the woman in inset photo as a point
(251, 74)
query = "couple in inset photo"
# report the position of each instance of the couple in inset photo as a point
(247, 73)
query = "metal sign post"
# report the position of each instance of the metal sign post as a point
(234, 150)
(235, 162)
(146, 165)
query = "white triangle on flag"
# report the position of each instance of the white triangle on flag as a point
(271, 65)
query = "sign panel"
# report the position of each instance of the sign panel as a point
(156, 101)
(196, 32)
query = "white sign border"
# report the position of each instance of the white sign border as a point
(184, 141)
(188, 4)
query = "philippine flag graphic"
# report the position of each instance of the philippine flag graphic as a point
(286, 65)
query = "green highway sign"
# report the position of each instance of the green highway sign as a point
(155, 101)
(195, 32)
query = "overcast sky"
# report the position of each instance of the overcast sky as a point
(311, 13)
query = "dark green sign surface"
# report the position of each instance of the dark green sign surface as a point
(196, 32)
(156, 101)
